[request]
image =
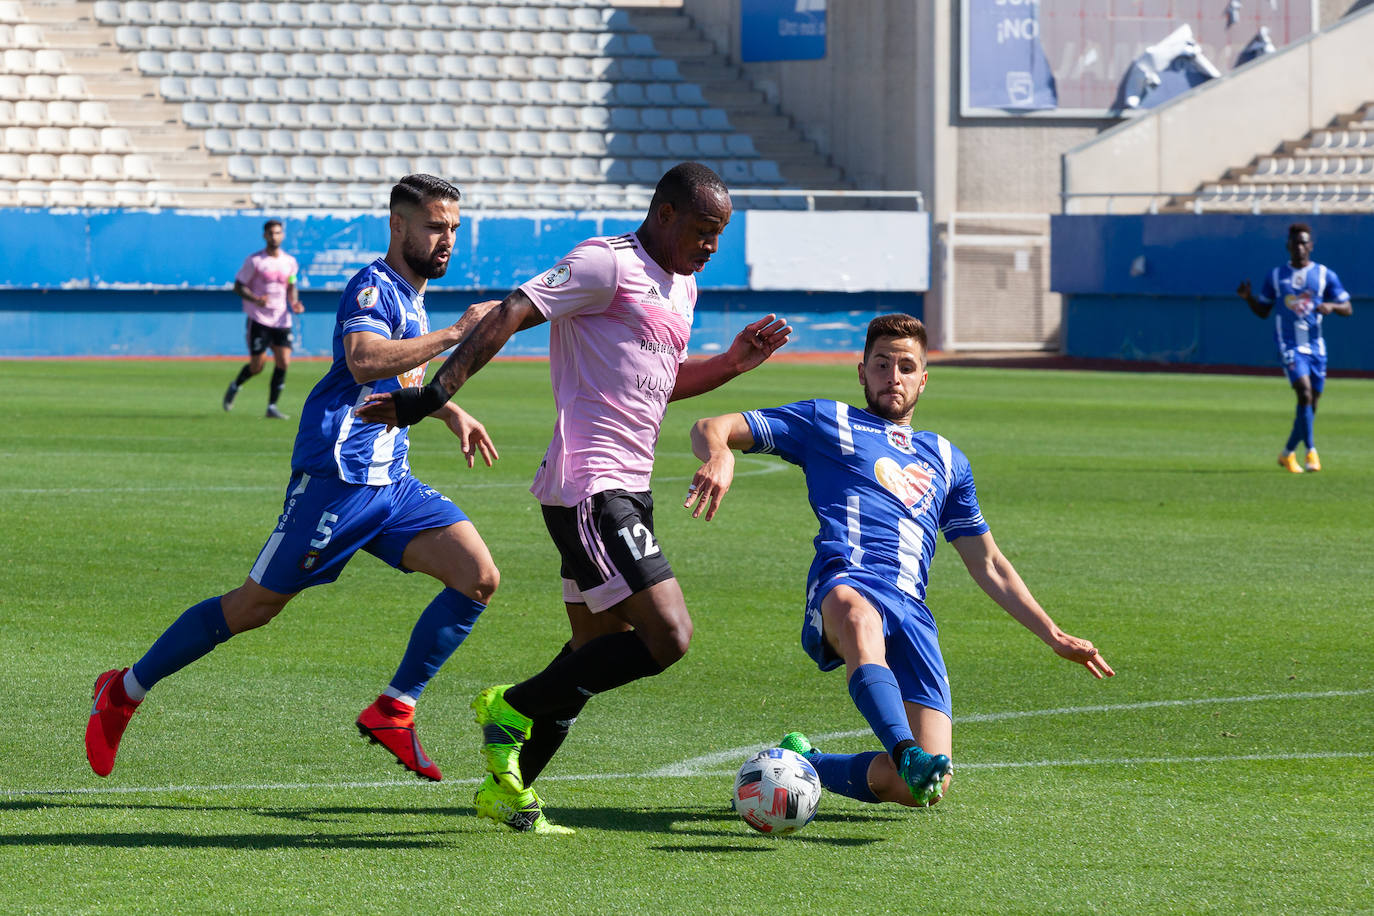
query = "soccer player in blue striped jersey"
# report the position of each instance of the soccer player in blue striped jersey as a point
(883, 493)
(351, 489)
(1307, 291)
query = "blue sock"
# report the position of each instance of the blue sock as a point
(440, 630)
(1302, 428)
(875, 692)
(194, 634)
(846, 774)
(1307, 418)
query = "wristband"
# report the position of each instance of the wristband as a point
(414, 404)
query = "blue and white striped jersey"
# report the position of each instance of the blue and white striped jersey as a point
(881, 492)
(1298, 324)
(331, 441)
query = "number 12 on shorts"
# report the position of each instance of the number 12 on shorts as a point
(639, 530)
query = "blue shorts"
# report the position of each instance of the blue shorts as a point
(1296, 365)
(913, 641)
(325, 521)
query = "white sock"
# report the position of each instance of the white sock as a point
(403, 698)
(133, 688)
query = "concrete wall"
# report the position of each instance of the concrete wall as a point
(1228, 121)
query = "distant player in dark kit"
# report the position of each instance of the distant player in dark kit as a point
(883, 493)
(351, 489)
(267, 285)
(620, 314)
(1307, 291)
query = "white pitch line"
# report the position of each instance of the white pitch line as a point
(698, 766)
(771, 467)
(690, 767)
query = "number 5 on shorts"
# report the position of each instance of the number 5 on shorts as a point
(326, 532)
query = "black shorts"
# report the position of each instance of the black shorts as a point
(608, 547)
(260, 337)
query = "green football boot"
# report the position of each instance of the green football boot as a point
(503, 732)
(925, 774)
(521, 811)
(796, 741)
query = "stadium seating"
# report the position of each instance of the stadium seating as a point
(1330, 169)
(539, 98)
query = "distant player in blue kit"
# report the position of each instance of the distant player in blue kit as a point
(351, 489)
(882, 492)
(1307, 291)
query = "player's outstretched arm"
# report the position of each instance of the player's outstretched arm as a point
(750, 348)
(409, 406)
(371, 356)
(471, 434)
(998, 578)
(713, 439)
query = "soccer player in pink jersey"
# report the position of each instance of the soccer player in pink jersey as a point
(620, 312)
(267, 285)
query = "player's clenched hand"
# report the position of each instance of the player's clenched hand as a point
(1084, 653)
(710, 484)
(758, 341)
(471, 434)
(1243, 290)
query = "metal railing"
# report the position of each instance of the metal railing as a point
(1258, 197)
(360, 197)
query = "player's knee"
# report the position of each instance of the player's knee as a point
(670, 643)
(485, 583)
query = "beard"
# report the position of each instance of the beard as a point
(878, 409)
(424, 264)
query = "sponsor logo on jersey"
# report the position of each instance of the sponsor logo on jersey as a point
(557, 277)
(367, 298)
(1300, 303)
(910, 484)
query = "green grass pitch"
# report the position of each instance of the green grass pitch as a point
(1228, 768)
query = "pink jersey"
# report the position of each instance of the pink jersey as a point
(618, 330)
(267, 275)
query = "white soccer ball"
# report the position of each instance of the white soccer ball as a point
(777, 791)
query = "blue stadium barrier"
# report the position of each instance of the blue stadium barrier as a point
(1161, 288)
(141, 283)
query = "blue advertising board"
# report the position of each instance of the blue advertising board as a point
(1007, 67)
(782, 30)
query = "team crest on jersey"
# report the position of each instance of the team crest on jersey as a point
(367, 298)
(910, 484)
(899, 437)
(309, 560)
(557, 277)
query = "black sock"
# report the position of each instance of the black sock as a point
(603, 664)
(547, 734)
(899, 749)
(244, 375)
(278, 379)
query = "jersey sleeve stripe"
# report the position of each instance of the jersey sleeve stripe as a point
(366, 323)
(763, 433)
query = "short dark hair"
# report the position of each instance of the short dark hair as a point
(419, 189)
(270, 223)
(1295, 228)
(895, 325)
(681, 185)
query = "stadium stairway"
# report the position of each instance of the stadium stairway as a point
(1327, 170)
(726, 86)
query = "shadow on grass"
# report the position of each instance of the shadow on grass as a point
(680, 822)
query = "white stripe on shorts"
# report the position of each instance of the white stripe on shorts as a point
(591, 540)
(269, 549)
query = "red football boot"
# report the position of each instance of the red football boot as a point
(110, 714)
(392, 725)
